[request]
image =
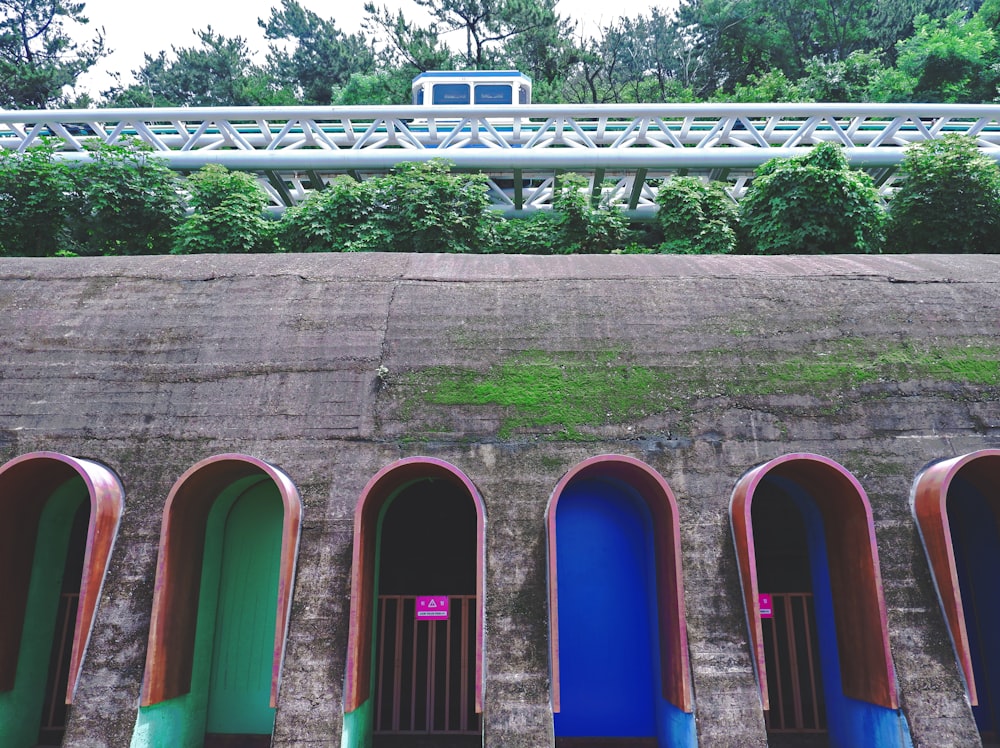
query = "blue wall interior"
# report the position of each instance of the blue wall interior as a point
(851, 723)
(976, 542)
(608, 631)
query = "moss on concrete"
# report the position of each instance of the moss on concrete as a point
(572, 396)
(549, 391)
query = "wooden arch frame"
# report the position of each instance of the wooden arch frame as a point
(866, 666)
(675, 670)
(929, 504)
(379, 491)
(174, 618)
(39, 474)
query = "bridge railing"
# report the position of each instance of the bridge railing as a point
(625, 149)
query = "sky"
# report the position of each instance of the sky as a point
(131, 29)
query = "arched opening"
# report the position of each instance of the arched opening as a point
(618, 642)
(956, 503)
(58, 520)
(224, 579)
(414, 670)
(805, 544)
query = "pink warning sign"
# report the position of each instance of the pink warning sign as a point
(432, 607)
(765, 606)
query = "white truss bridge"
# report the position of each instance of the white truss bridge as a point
(625, 150)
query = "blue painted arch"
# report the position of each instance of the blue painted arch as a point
(618, 642)
(858, 678)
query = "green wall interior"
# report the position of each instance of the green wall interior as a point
(21, 708)
(231, 678)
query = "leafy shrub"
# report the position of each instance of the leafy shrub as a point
(811, 204)
(773, 85)
(426, 208)
(581, 228)
(129, 202)
(228, 214)
(572, 226)
(948, 201)
(696, 218)
(36, 192)
(534, 235)
(418, 207)
(335, 219)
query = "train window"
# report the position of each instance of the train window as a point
(451, 93)
(494, 94)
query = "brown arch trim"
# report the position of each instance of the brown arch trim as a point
(26, 483)
(675, 670)
(174, 618)
(866, 666)
(376, 495)
(929, 503)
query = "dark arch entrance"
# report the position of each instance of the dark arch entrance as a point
(425, 669)
(414, 676)
(58, 519)
(957, 506)
(617, 635)
(809, 510)
(791, 641)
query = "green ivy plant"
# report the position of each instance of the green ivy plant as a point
(417, 207)
(812, 204)
(228, 214)
(696, 218)
(948, 199)
(35, 194)
(129, 201)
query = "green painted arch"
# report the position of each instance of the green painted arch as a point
(220, 610)
(40, 495)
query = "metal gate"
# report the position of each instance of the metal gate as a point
(791, 652)
(54, 710)
(426, 669)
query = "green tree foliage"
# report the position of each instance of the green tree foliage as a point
(406, 45)
(34, 192)
(418, 207)
(949, 60)
(812, 204)
(545, 52)
(645, 58)
(696, 218)
(228, 214)
(488, 24)
(386, 88)
(217, 72)
(38, 57)
(321, 58)
(893, 20)
(128, 202)
(948, 199)
(755, 36)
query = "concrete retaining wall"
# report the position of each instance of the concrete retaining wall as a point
(333, 366)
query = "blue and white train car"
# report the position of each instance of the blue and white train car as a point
(485, 87)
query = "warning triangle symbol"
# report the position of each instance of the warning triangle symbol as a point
(432, 604)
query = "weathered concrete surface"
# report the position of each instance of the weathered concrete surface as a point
(151, 364)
